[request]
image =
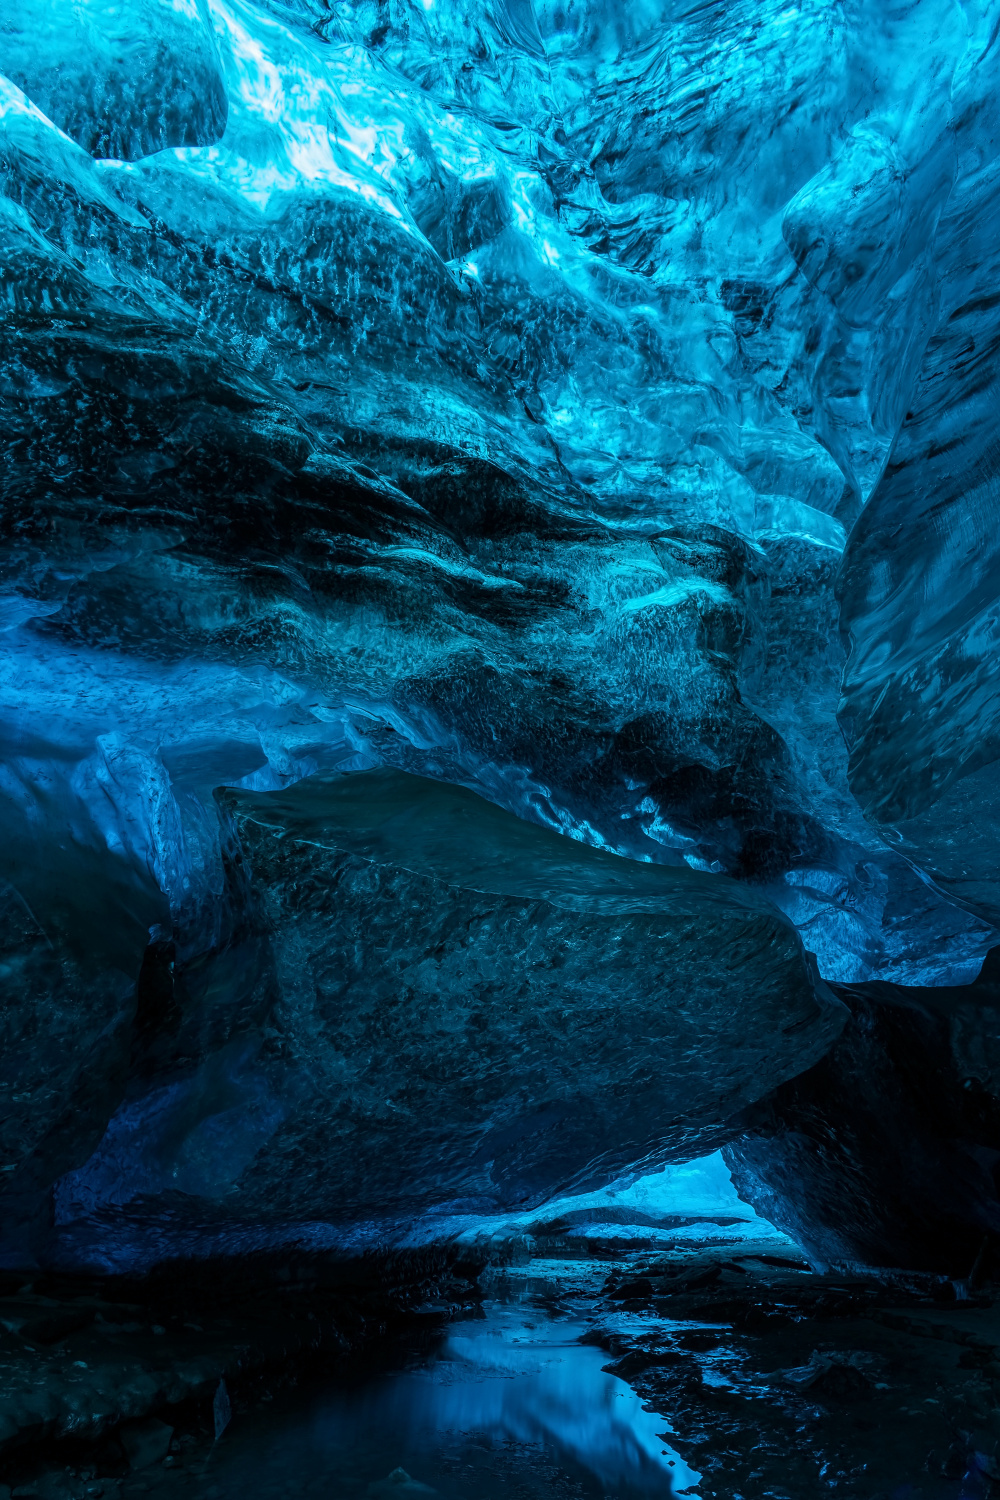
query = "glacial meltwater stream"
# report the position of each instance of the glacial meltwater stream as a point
(507, 1404)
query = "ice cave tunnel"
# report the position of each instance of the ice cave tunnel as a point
(500, 749)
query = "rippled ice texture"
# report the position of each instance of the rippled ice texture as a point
(498, 390)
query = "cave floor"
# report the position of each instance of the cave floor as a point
(723, 1370)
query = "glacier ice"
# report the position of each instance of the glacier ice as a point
(122, 82)
(886, 1152)
(431, 1004)
(589, 407)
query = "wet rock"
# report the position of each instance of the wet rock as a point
(145, 1442)
(698, 1340)
(634, 1363)
(838, 1376)
(639, 1287)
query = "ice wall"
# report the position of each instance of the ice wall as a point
(588, 406)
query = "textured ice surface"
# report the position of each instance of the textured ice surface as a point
(489, 391)
(502, 392)
(123, 80)
(434, 1005)
(886, 1152)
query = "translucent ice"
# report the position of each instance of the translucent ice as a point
(588, 405)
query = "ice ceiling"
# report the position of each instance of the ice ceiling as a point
(587, 406)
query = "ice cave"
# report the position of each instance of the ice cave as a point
(500, 749)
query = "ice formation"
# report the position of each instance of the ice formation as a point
(582, 409)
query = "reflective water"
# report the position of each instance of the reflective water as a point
(507, 1405)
